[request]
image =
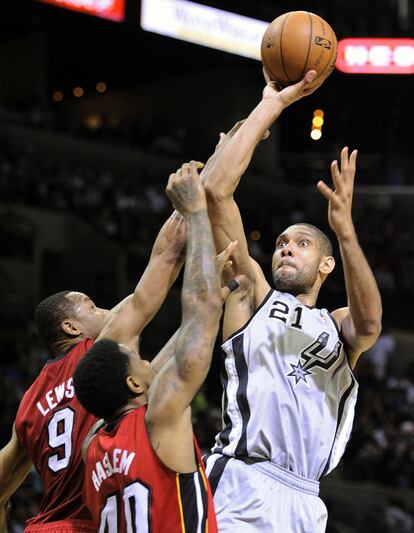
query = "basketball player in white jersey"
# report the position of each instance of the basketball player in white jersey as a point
(289, 391)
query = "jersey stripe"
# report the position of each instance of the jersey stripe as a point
(342, 402)
(199, 499)
(224, 435)
(180, 503)
(194, 502)
(241, 396)
(217, 471)
(205, 516)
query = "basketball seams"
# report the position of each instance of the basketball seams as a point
(309, 47)
(281, 48)
(299, 43)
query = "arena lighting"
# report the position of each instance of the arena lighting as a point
(316, 134)
(57, 96)
(376, 56)
(107, 9)
(317, 123)
(241, 35)
(204, 25)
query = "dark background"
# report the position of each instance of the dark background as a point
(81, 200)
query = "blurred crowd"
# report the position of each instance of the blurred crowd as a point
(128, 208)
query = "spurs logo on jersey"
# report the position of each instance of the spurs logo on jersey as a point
(289, 393)
(315, 355)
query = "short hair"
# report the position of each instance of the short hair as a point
(100, 379)
(49, 315)
(325, 243)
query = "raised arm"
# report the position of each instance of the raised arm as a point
(126, 321)
(168, 350)
(14, 467)
(225, 168)
(360, 322)
(168, 414)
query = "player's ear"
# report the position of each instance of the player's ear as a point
(327, 264)
(70, 328)
(135, 385)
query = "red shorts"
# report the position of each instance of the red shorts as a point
(62, 526)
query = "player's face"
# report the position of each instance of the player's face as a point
(296, 260)
(88, 316)
(139, 369)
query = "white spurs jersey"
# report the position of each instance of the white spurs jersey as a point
(289, 393)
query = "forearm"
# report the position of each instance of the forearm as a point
(201, 285)
(364, 299)
(166, 261)
(222, 173)
(171, 239)
(165, 353)
(14, 467)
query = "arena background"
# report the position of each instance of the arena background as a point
(82, 197)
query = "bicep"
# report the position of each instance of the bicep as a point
(355, 344)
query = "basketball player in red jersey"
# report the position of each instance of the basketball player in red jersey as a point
(51, 424)
(143, 467)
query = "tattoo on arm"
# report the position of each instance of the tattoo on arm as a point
(201, 287)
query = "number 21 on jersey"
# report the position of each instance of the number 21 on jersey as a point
(280, 310)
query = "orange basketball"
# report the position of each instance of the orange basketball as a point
(296, 42)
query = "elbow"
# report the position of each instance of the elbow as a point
(371, 329)
(215, 194)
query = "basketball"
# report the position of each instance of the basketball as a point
(295, 43)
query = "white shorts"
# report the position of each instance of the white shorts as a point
(260, 497)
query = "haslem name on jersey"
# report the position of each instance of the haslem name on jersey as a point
(119, 463)
(54, 396)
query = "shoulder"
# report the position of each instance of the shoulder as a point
(339, 316)
(241, 310)
(90, 436)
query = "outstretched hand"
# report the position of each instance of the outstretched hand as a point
(291, 93)
(223, 260)
(340, 199)
(184, 189)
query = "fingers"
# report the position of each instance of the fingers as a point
(223, 257)
(326, 191)
(232, 286)
(346, 175)
(186, 170)
(336, 176)
(309, 77)
(235, 128)
(344, 160)
(266, 75)
(352, 164)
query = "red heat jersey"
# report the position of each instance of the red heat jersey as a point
(52, 426)
(128, 489)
